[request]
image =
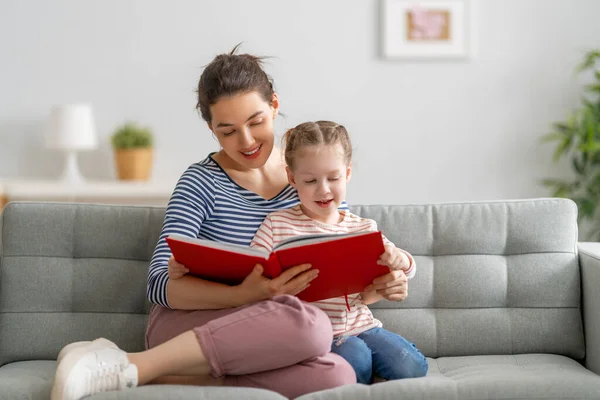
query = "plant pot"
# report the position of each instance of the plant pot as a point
(133, 164)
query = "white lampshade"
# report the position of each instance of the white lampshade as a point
(71, 127)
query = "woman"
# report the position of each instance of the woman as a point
(256, 334)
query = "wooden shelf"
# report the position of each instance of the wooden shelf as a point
(109, 192)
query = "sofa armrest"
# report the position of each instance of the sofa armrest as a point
(589, 260)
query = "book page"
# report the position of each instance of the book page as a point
(235, 248)
(304, 240)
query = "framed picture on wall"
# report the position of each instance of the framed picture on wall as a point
(427, 29)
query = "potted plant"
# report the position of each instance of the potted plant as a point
(578, 139)
(133, 151)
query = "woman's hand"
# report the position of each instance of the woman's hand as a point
(176, 270)
(394, 258)
(392, 286)
(257, 287)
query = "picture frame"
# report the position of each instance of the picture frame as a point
(427, 29)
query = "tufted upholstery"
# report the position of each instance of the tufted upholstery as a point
(496, 300)
(492, 278)
(73, 272)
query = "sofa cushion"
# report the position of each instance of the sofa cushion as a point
(73, 272)
(32, 380)
(526, 376)
(492, 277)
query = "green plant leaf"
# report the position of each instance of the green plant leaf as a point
(553, 182)
(563, 128)
(591, 148)
(589, 60)
(588, 103)
(551, 137)
(578, 138)
(131, 135)
(587, 207)
(594, 87)
(561, 188)
(562, 149)
(578, 165)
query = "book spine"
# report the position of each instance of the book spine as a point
(273, 267)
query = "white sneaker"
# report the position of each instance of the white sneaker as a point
(96, 344)
(88, 370)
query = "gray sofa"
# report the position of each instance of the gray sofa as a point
(506, 302)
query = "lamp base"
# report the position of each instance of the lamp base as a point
(71, 172)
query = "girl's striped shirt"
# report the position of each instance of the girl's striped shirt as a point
(283, 224)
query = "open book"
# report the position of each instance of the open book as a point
(347, 263)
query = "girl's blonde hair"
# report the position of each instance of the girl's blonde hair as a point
(315, 133)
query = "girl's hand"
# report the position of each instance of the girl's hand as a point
(257, 287)
(394, 258)
(392, 286)
(176, 270)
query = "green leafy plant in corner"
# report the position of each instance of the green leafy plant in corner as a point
(132, 136)
(578, 139)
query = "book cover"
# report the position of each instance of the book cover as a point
(346, 263)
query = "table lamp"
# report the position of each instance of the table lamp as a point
(71, 129)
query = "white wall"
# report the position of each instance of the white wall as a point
(424, 132)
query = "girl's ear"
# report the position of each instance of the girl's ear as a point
(348, 172)
(290, 176)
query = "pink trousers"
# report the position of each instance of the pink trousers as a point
(281, 344)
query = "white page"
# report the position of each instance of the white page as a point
(236, 248)
(315, 238)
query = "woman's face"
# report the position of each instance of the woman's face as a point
(243, 125)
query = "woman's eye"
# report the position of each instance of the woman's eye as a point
(256, 122)
(228, 133)
(334, 179)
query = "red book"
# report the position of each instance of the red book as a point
(347, 263)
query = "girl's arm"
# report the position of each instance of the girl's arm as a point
(370, 297)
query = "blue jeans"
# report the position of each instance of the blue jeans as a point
(382, 352)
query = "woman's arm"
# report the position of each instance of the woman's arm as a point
(192, 293)
(190, 205)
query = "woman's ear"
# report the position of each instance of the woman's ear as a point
(275, 104)
(290, 176)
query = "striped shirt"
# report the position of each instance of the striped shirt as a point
(347, 319)
(207, 204)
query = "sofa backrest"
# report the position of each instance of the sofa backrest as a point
(73, 272)
(492, 278)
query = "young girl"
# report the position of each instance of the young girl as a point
(319, 165)
(319, 158)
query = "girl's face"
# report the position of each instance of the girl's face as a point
(320, 175)
(243, 125)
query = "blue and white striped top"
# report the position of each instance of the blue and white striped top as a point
(207, 204)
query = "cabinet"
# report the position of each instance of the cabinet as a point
(104, 192)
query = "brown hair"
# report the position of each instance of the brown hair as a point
(231, 74)
(315, 133)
